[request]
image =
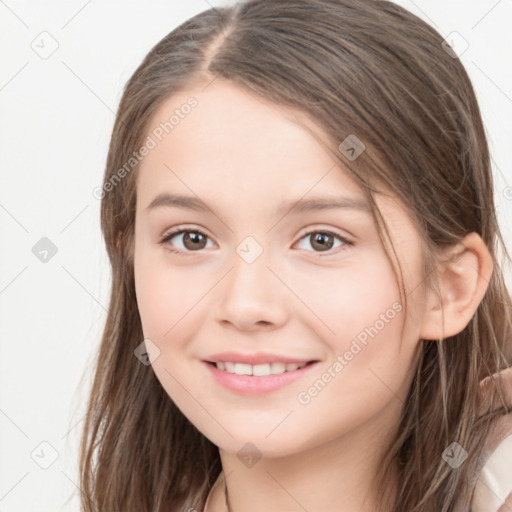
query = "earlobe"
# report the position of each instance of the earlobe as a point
(463, 272)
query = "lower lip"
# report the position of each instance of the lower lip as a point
(257, 385)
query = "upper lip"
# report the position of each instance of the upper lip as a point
(255, 358)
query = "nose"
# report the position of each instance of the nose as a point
(252, 296)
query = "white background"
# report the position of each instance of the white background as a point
(56, 118)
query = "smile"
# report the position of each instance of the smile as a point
(258, 370)
(257, 379)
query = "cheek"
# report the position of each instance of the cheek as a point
(348, 300)
(361, 322)
(168, 295)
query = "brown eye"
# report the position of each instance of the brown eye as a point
(192, 240)
(323, 241)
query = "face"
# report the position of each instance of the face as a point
(251, 276)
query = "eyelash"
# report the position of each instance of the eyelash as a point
(178, 231)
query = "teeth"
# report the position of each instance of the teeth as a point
(258, 370)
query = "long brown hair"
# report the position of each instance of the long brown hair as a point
(364, 67)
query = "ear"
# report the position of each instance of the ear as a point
(464, 272)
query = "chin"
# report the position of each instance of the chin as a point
(249, 447)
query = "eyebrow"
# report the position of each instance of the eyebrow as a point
(288, 207)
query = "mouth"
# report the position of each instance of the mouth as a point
(257, 379)
(258, 370)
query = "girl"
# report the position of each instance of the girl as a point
(340, 338)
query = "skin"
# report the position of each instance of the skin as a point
(243, 156)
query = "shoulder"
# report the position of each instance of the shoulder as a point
(493, 488)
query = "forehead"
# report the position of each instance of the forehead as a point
(232, 141)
